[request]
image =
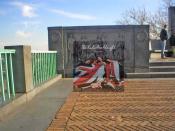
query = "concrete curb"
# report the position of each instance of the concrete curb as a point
(25, 98)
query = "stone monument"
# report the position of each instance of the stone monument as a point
(134, 37)
(171, 19)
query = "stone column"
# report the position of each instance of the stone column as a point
(22, 66)
(141, 49)
(171, 19)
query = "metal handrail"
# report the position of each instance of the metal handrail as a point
(43, 66)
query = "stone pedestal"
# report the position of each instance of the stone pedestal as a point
(22, 66)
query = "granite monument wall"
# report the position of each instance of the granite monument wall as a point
(134, 37)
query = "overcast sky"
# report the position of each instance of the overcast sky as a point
(26, 21)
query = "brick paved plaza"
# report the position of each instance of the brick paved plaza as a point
(145, 105)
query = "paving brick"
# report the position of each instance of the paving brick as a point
(147, 105)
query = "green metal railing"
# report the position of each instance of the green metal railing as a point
(43, 66)
(7, 90)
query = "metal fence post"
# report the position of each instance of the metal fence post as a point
(6, 75)
(2, 79)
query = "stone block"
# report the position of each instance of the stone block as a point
(22, 66)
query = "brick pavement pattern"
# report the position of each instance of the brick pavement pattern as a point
(145, 105)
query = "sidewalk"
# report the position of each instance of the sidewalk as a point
(156, 57)
(38, 113)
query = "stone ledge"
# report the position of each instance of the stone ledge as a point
(25, 98)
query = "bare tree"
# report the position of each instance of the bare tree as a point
(156, 22)
(167, 3)
(141, 16)
(137, 16)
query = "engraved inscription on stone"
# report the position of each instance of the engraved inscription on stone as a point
(55, 36)
(141, 36)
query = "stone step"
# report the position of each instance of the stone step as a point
(151, 75)
(153, 81)
(162, 69)
(162, 63)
